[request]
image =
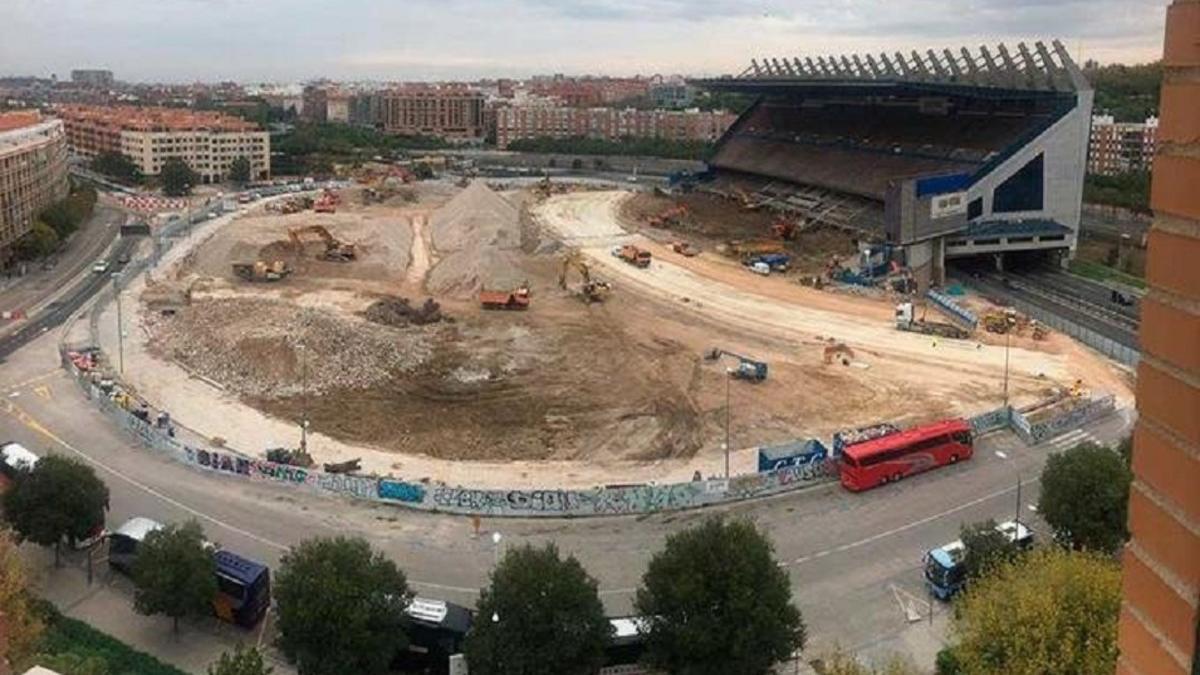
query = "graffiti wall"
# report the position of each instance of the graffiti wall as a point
(1034, 433)
(993, 420)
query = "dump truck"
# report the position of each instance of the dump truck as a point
(751, 370)
(638, 257)
(262, 271)
(907, 321)
(778, 262)
(684, 248)
(515, 299)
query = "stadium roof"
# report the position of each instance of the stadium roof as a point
(1038, 69)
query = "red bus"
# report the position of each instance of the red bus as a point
(892, 457)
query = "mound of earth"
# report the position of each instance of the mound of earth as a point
(477, 234)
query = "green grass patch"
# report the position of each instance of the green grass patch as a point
(71, 639)
(1100, 272)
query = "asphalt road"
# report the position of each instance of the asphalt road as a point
(852, 558)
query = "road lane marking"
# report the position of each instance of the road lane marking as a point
(903, 528)
(28, 420)
(34, 380)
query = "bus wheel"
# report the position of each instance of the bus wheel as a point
(953, 459)
(896, 477)
(883, 480)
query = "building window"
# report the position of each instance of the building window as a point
(975, 208)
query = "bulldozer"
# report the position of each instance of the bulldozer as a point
(262, 271)
(669, 217)
(591, 290)
(839, 350)
(335, 251)
(998, 322)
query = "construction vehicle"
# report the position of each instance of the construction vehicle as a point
(669, 217)
(784, 229)
(327, 202)
(839, 350)
(335, 251)
(515, 299)
(638, 257)
(751, 370)
(775, 262)
(738, 248)
(262, 271)
(685, 249)
(906, 321)
(590, 290)
(998, 322)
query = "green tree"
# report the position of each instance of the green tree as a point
(540, 615)
(61, 498)
(340, 607)
(1085, 496)
(177, 177)
(422, 170)
(117, 166)
(243, 661)
(239, 171)
(1125, 450)
(175, 573)
(984, 548)
(22, 624)
(716, 602)
(70, 663)
(840, 662)
(1053, 611)
(39, 242)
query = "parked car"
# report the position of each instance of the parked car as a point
(15, 458)
(100, 267)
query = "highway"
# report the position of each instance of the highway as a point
(851, 557)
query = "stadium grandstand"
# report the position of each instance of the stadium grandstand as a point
(935, 155)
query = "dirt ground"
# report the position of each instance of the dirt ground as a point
(621, 381)
(712, 221)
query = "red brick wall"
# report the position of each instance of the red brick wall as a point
(1161, 579)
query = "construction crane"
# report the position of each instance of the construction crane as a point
(335, 251)
(751, 370)
(591, 290)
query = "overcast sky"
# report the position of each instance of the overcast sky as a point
(290, 40)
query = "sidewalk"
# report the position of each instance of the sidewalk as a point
(107, 604)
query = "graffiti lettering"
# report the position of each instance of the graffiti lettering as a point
(362, 487)
(410, 493)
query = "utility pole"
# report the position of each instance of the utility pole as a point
(120, 325)
(728, 414)
(303, 400)
(1009, 324)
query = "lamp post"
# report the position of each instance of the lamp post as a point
(116, 278)
(1009, 323)
(1003, 455)
(728, 415)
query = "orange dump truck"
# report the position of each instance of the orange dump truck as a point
(638, 257)
(517, 298)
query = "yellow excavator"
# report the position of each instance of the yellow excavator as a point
(591, 290)
(335, 250)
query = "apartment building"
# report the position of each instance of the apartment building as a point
(590, 92)
(1160, 591)
(92, 77)
(454, 112)
(33, 172)
(1120, 147)
(542, 119)
(208, 141)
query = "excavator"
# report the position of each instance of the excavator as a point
(591, 290)
(839, 350)
(751, 370)
(335, 251)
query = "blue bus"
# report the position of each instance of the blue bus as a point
(944, 571)
(243, 589)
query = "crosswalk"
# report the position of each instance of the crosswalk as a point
(1071, 439)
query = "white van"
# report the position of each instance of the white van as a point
(15, 457)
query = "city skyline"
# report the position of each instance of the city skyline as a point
(272, 40)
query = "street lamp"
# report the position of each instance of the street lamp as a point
(116, 277)
(1003, 455)
(1009, 322)
(728, 414)
(496, 537)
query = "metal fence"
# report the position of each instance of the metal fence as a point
(1105, 345)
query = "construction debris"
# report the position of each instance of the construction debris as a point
(478, 234)
(399, 312)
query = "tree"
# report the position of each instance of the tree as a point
(243, 661)
(340, 607)
(39, 242)
(175, 573)
(422, 170)
(117, 166)
(540, 615)
(839, 662)
(70, 663)
(239, 171)
(1125, 450)
(21, 627)
(1085, 496)
(61, 498)
(177, 177)
(984, 548)
(1052, 611)
(716, 602)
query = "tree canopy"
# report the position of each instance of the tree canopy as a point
(716, 602)
(1128, 93)
(635, 146)
(39, 242)
(243, 661)
(1052, 611)
(540, 615)
(22, 625)
(984, 548)
(239, 170)
(60, 499)
(340, 607)
(177, 177)
(1085, 496)
(117, 166)
(175, 573)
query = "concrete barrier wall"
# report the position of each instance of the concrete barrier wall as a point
(1087, 411)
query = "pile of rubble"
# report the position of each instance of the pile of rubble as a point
(400, 312)
(272, 349)
(478, 236)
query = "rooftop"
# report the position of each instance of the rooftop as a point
(134, 118)
(18, 119)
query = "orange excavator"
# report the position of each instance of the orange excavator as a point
(335, 250)
(669, 217)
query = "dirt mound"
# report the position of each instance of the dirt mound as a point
(271, 349)
(400, 312)
(477, 233)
